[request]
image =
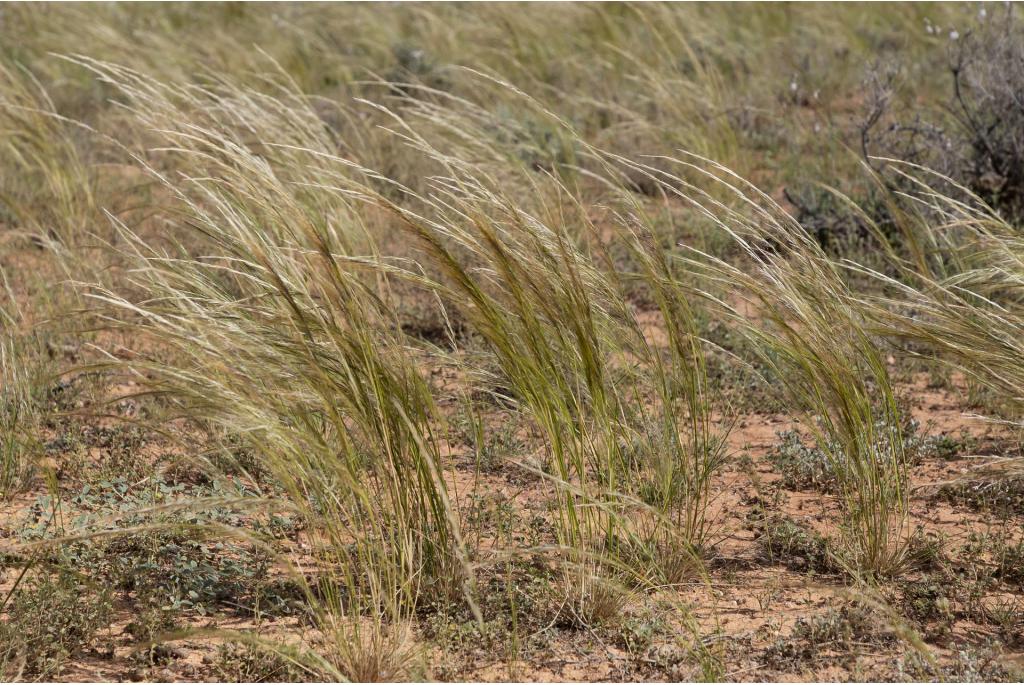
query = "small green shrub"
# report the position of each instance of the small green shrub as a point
(969, 664)
(781, 539)
(52, 618)
(837, 632)
(926, 599)
(803, 466)
(171, 568)
(247, 663)
(996, 495)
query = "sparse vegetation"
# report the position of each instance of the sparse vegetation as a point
(412, 342)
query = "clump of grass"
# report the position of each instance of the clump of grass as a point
(962, 291)
(806, 329)
(591, 600)
(556, 325)
(27, 373)
(957, 295)
(378, 653)
(19, 414)
(278, 338)
(1010, 563)
(50, 196)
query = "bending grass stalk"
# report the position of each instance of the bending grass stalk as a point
(960, 297)
(344, 430)
(808, 332)
(53, 176)
(278, 339)
(348, 418)
(549, 316)
(22, 378)
(15, 418)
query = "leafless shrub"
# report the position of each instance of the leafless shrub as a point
(979, 140)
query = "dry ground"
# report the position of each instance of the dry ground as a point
(772, 605)
(181, 556)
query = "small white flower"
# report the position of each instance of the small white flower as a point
(983, 13)
(792, 85)
(954, 34)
